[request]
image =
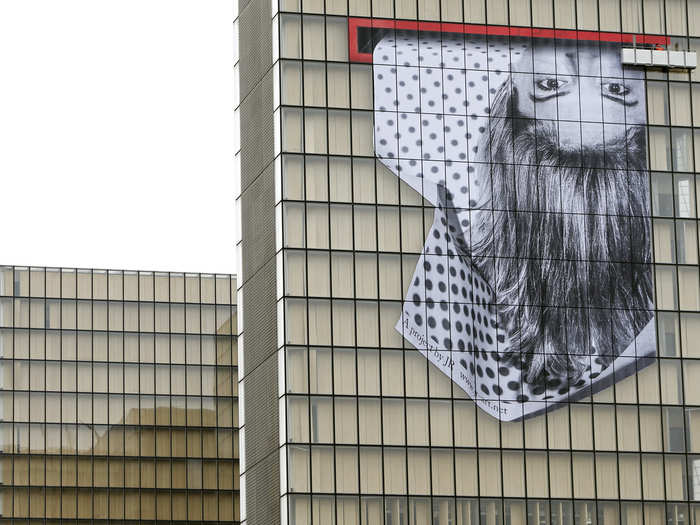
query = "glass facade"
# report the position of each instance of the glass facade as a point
(373, 428)
(119, 397)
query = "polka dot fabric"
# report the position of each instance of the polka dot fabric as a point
(449, 316)
(432, 100)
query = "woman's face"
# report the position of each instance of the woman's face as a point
(592, 108)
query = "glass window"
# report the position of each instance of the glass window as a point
(292, 133)
(498, 12)
(684, 195)
(315, 131)
(662, 194)
(337, 38)
(475, 11)
(314, 83)
(338, 77)
(587, 15)
(680, 102)
(394, 471)
(362, 124)
(359, 8)
(314, 33)
(657, 103)
(689, 288)
(666, 288)
(428, 10)
(565, 14)
(693, 17)
(520, 13)
(293, 176)
(609, 15)
(664, 241)
(393, 422)
(659, 148)
(632, 16)
(690, 330)
(682, 147)
(451, 10)
(406, 9)
(339, 132)
(319, 322)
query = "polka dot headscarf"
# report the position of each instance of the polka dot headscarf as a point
(432, 99)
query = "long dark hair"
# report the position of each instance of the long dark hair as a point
(564, 238)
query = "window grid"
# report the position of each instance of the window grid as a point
(310, 200)
(117, 424)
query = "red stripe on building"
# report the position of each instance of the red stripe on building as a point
(354, 24)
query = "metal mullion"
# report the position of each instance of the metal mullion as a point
(353, 251)
(449, 301)
(92, 391)
(588, 322)
(61, 419)
(477, 444)
(170, 401)
(500, 425)
(27, 455)
(216, 402)
(123, 407)
(403, 345)
(46, 327)
(560, 308)
(652, 266)
(380, 350)
(452, 400)
(109, 394)
(306, 267)
(357, 382)
(353, 299)
(328, 240)
(399, 208)
(664, 27)
(201, 392)
(656, 309)
(140, 360)
(185, 398)
(661, 359)
(642, 29)
(306, 283)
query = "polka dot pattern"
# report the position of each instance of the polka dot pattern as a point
(449, 316)
(432, 99)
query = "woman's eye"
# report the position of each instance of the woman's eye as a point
(615, 89)
(550, 84)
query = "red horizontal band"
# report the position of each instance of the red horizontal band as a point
(354, 24)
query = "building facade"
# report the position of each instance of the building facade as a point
(468, 257)
(119, 397)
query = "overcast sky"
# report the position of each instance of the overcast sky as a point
(116, 134)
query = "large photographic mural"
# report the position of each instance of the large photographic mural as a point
(535, 283)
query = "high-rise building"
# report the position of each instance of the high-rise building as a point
(119, 397)
(469, 261)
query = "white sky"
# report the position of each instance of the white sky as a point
(116, 134)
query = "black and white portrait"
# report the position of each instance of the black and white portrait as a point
(535, 282)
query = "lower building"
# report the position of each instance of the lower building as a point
(118, 396)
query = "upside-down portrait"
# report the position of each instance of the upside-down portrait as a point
(535, 284)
